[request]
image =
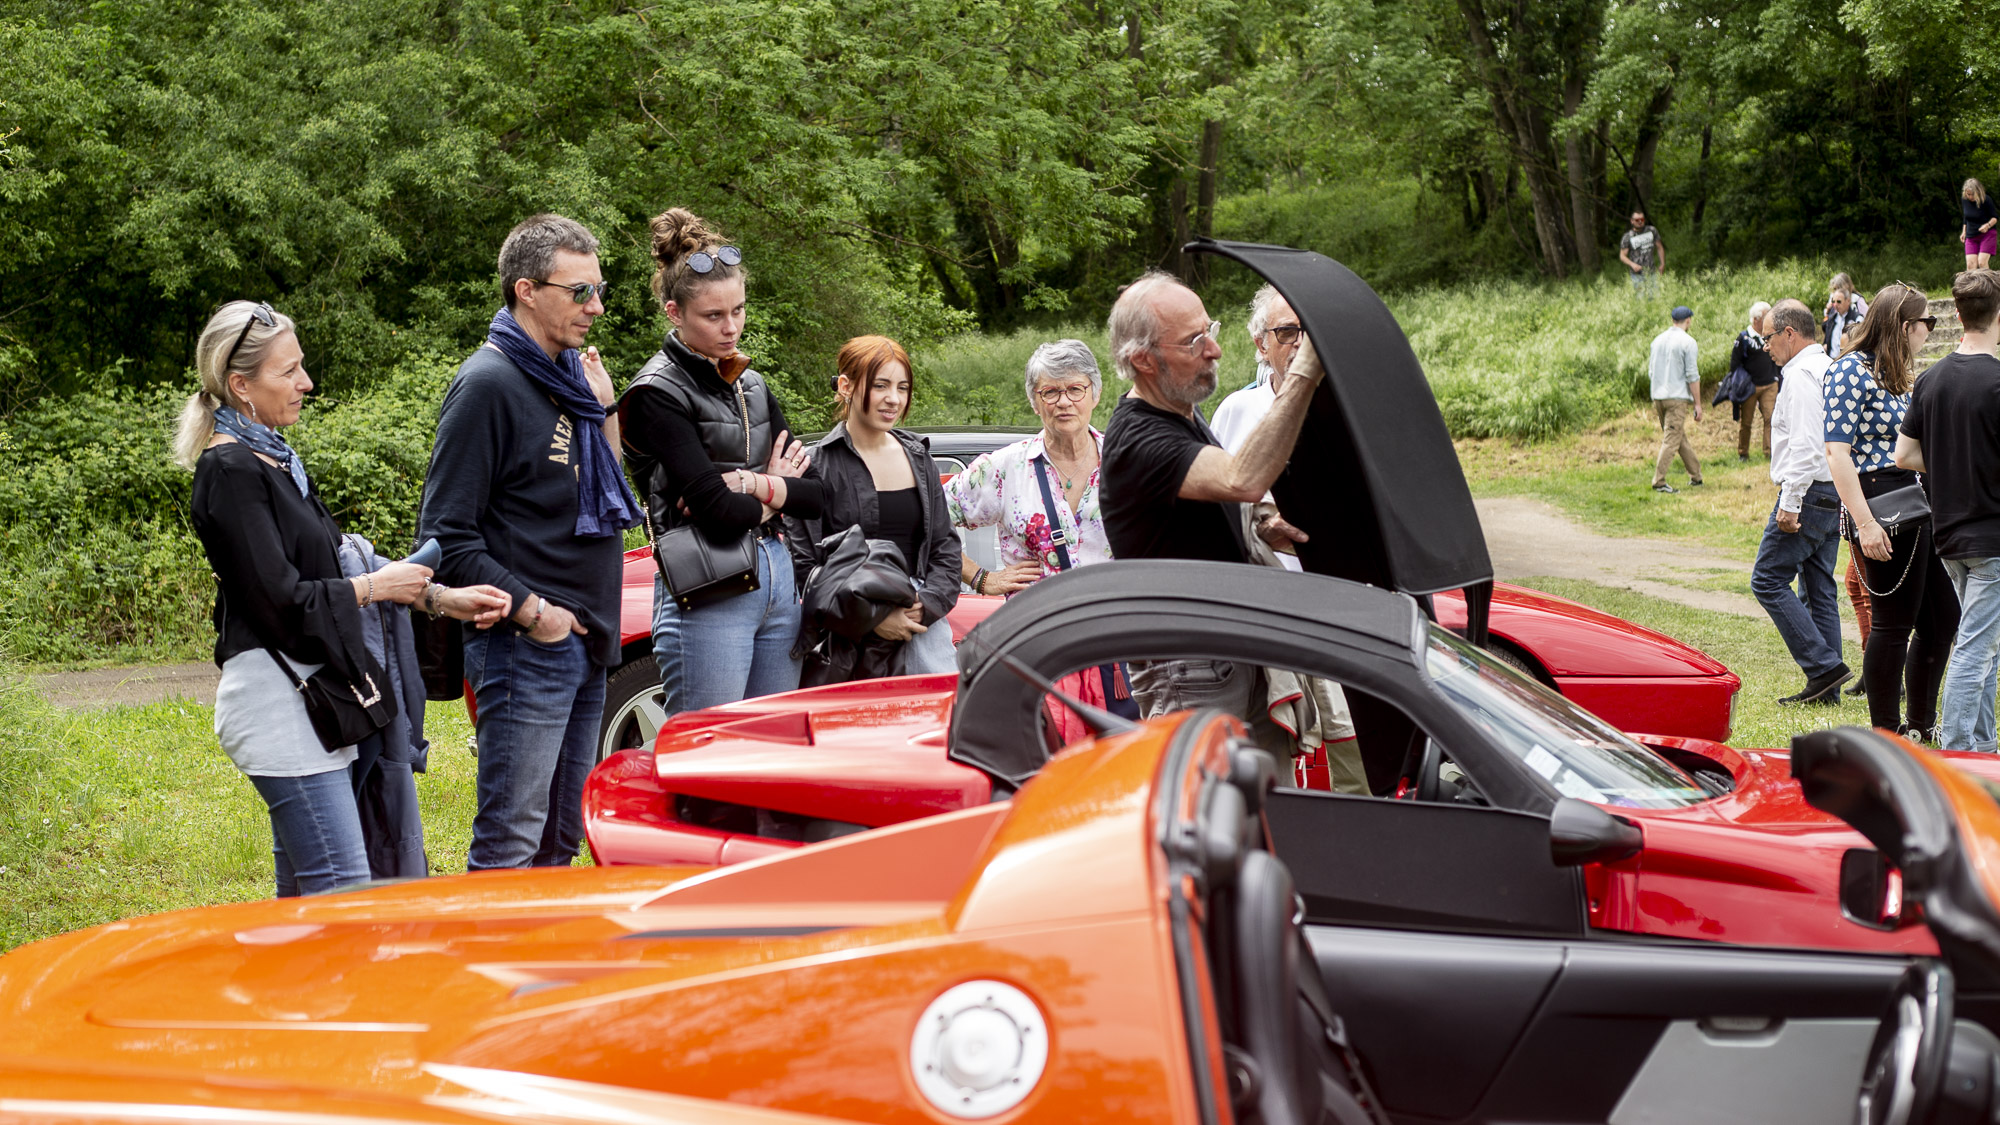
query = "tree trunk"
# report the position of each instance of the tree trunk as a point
(1522, 123)
(1576, 166)
(1135, 44)
(1648, 148)
(1701, 176)
(1204, 196)
(1178, 262)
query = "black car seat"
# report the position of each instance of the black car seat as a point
(1302, 1070)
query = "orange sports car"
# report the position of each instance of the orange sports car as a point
(1117, 942)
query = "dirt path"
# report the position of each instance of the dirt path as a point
(1527, 538)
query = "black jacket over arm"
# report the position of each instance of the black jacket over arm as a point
(850, 498)
(276, 558)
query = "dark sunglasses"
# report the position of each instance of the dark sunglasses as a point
(1929, 322)
(581, 292)
(701, 261)
(262, 314)
(1286, 333)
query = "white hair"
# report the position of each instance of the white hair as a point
(1757, 312)
(1133, 325)
(1063, 357)
(1260, 309)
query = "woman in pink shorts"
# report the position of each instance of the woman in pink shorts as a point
(1982, 225)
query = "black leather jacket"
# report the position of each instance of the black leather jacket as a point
(851, 498)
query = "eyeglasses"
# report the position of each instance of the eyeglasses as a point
(1052, 395)
(1212, 333)
(701, 261)
(581, 292)
(1286, 333)
(1929, 322)
(262, 314)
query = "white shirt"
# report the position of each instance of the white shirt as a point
(1798, 428)
(1240, 413)
(1237, 416)
(1672, 365)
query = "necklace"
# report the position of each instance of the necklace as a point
(1066, 476)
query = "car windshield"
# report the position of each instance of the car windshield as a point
(1579, 754)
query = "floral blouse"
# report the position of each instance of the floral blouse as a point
(1862, 414)
(1000, 488)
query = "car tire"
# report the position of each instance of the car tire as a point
(634, 708)
(1523, 663)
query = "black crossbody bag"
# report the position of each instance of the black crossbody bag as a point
(342, 713)
(700, 568)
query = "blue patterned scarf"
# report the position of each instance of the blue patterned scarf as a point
(261, 439)
(604, 505)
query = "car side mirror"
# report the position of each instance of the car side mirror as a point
(1871, 891)
(1581, 833)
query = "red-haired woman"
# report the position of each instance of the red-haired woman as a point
(881, 478)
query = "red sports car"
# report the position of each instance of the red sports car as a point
(1722, 847)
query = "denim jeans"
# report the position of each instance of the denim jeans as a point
(1966, 716)
(1161, 687)
(315, 832)
(539, 710)
(737, 648)
(931, 651)
(1808, 620)
(1645, 283)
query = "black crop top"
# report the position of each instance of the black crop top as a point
(902, 523)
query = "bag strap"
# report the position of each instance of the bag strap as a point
(1058, 536)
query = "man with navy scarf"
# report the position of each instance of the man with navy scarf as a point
(525, 493)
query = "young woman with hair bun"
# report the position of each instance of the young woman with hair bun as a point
(881, 478)
(709, 445)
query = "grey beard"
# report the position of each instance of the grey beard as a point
(1264, 373)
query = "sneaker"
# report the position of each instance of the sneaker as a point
(1824, 688)
(1694, 482)
(1743, 458)
(1917, 734)
(1663, 486)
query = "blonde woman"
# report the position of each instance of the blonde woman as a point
(281, 593)
(1979, 232)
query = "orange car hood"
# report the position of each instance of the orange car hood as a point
(792, 982)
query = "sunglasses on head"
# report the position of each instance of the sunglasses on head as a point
(581, 292)
(261, 313)
(701, 261)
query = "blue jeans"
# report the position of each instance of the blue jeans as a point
(1645, 283)
(539, 710)
(315, 832)
(737, 648)
(1810, 627)
(1965, 719)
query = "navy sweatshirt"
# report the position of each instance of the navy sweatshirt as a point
(501, 500)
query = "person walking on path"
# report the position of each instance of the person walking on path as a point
(1981, 231)
(1750, 356)
(1676, 387)
(525, 493)
(1867, 397)
(1952, 436)
(1644, 254)
(1802, 539)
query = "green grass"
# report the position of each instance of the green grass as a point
(1750, 648)
(133, 810)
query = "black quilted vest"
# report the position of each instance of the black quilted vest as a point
(734, 421)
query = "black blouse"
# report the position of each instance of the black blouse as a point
(276, 559)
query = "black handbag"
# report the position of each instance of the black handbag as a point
(342, 713)
(1899, 510)
(699, 568)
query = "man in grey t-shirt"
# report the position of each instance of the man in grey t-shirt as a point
(1676, 386)
(1644, 254)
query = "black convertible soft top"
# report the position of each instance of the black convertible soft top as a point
(1374, 479)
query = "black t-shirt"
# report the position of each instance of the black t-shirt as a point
(501, 500)
(1975, 214)
(1147, 455)
(1749, 354)
(901, 521)
(1955, 413)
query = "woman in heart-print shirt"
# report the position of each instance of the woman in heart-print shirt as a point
(1867, 395)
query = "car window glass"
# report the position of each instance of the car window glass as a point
(1578, 753)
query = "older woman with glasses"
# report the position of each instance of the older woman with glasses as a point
(1041, 493)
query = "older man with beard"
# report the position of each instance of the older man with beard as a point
(1169, 488)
